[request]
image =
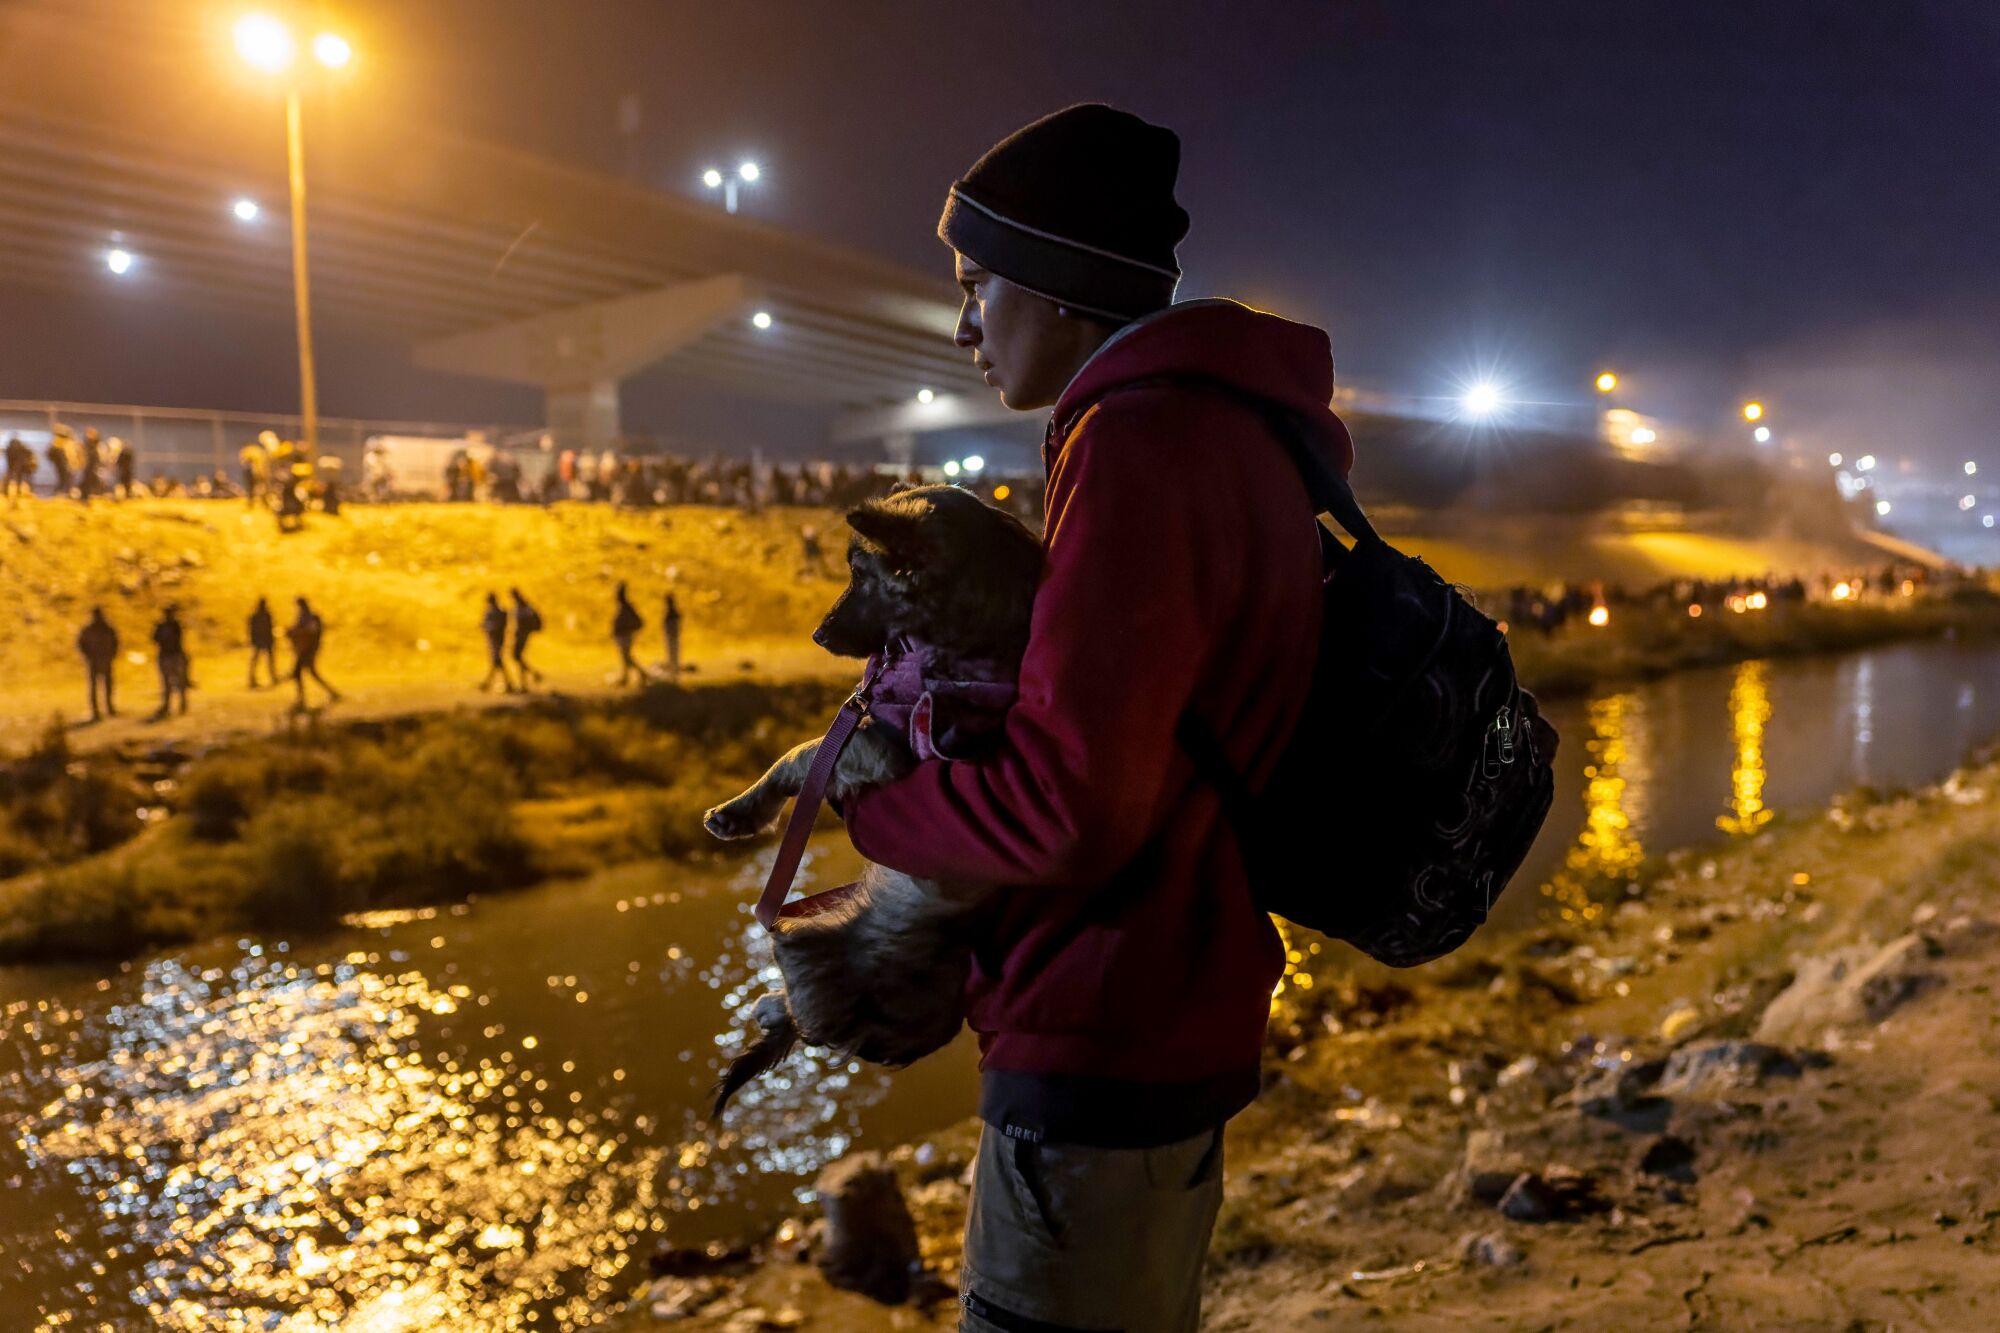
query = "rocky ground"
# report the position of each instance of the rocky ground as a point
(1762, 1091)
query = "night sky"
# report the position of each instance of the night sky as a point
(1797, 200)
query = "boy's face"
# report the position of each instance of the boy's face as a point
(1025, 349)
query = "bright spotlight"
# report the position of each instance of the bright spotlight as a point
(1865, 463)
(1833, 460)
(1606, 382)
(332, 50)
(1986, 520)
(762, 319)
(118, 261)
(1481, 400)
(712, 178)
(1967, 501)
(1752, 411)
(1881, 506)
(1643, 435)
(951, 467)
(925, 395)
(974, 463)
(1971, 468)
(246, 210)
(264, 43)
(1600, 615)
(748, 171)
(1762, 434)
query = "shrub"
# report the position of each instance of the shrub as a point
(292, 859)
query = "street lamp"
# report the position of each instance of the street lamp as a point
(118, 261)
(714, 179)
(246, 210)
(1762, 434)
(1480, 400)
(1606, 382)
(1752, 411)
(267, 45)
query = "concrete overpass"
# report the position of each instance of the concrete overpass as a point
(481, 258)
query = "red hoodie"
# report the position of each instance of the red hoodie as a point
(1183, 574)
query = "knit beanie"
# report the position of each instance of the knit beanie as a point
(1078, 208)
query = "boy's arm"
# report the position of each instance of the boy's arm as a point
(1119, 636)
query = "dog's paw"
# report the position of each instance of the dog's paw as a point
(732, 820)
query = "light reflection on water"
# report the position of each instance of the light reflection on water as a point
(458, 1120)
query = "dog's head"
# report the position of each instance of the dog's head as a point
(935, 563)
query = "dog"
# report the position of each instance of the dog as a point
(878, 970)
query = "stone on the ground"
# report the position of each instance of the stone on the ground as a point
(1491, 1249)
(1714, 1068)
(1671, 1157)
(682, 1297)
(1549, 1198)
(1848, 988)
(871, 1240)
(1623, 1094)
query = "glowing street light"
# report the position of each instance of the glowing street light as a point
(1865, 463)
(974, 463)
(1762, 435)
(951, 467)
(1606, 382)
(266, 44)
(1644, 435)
(1986, 520)
(332, 50)
(1971, 468)
(1481, 400)
(761, 320)
(1600, 615)
(925, 396)
(745, 174)
(1881, 506)
(1752, 411)
(118, 261)
(246, 210)
(1833, 460)
(1967, 501)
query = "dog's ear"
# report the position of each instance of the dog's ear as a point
(895, 528)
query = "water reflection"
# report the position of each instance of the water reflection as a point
(1616, 776)
(1749, 710)
(447, 1121)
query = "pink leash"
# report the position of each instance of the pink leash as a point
(805, 809)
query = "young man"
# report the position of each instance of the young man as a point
(170, 650)
(527, 622)
(494, 626)
(1121, 989)
(98, 643)
(626, 622)
(305, 632)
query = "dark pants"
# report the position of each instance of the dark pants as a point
(101, 675)
(496, 649)
(308, 666)
(173, 683)
(1067, 1237)
(624, 642)
(267, 654)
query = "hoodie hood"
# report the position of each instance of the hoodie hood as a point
(1259, 354)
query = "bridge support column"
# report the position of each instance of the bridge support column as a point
(583, 416)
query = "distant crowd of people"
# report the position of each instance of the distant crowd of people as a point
(291, 479)
(98, 643)
(85, 466)
(1549, 607)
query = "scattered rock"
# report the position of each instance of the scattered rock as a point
(871, 1240)
(1671, 1157)
(682, 1298)
(1550, 1198)
(1682, 1022)
(1850, 987)
(1490, 1249)
(1713, 1068)
(1622, 1094)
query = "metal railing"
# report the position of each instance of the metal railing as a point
(184, 443)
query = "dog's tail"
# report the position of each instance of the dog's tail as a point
(780, 1035)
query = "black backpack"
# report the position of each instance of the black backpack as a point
(1420, 771)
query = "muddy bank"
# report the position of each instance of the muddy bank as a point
(1758, 1091)
(126, 849)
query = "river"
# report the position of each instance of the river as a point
(469, 1118)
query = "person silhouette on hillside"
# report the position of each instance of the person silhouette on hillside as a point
(494, 625)
(263, 643)
(671, 623)
(125, 468)
(255, 461)
(61, 462)
(171, 650)
(98, 643)
(625, 624)
(90, 477)
(305, 633)
(527, 623)
(20, 468)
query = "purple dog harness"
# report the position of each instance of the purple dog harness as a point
(901, 690)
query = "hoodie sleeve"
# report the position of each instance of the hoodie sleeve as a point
(1121, 629)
